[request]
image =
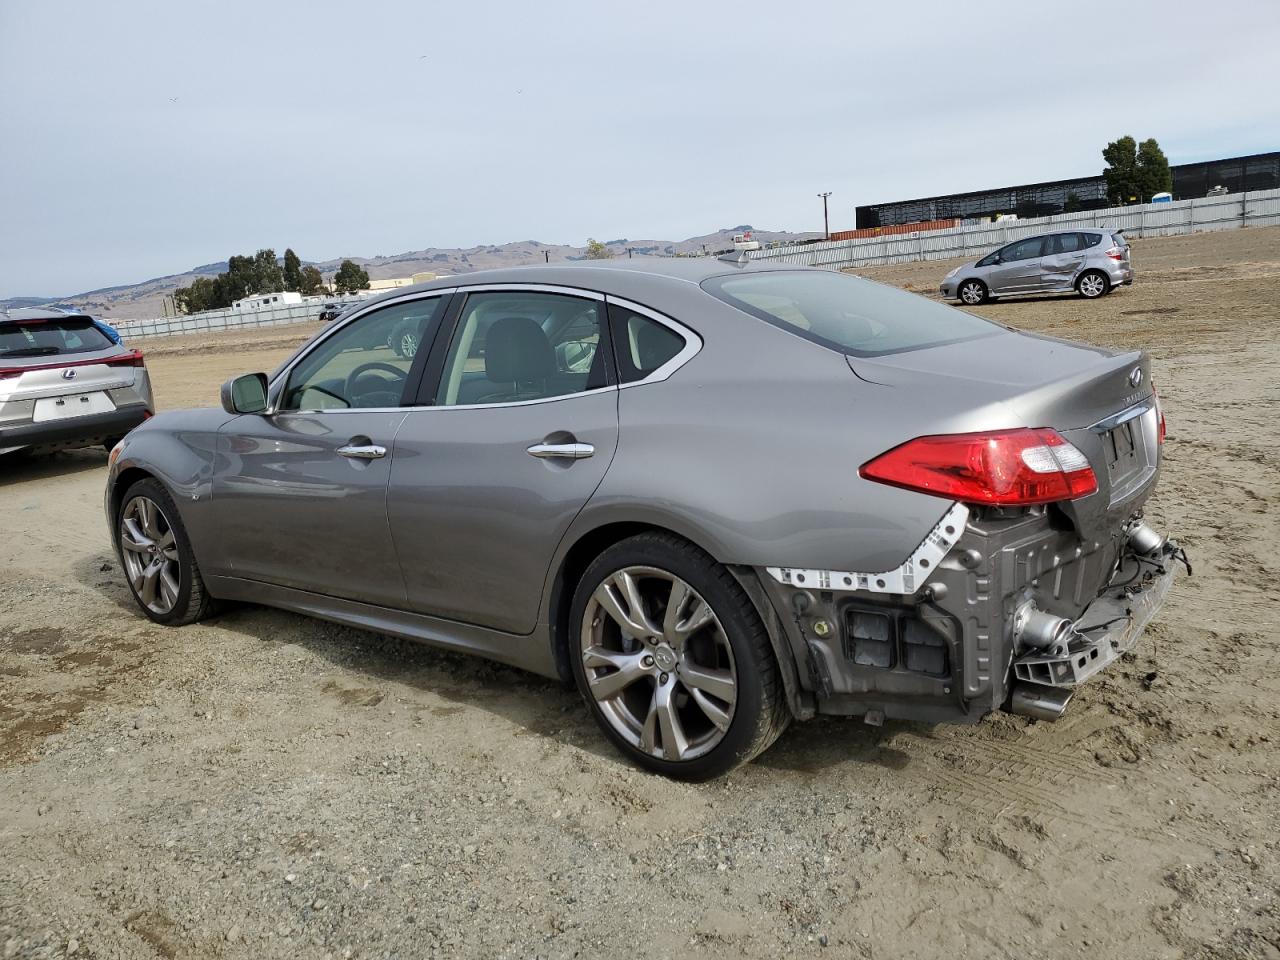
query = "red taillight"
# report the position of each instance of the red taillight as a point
(131, 359)
(1005, 467)
(1159, 414)
(1115, 253)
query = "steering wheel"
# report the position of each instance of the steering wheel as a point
(354, 377)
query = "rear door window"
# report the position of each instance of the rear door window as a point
(1091, 239)
(1067, 242)
(48, 338)
(519, 345)
(846, 313)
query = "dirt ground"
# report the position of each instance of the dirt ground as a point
(263, 785)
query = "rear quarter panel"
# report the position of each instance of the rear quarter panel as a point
(752, 450)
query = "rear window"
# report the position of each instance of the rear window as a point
(48, 338)
(846, 313)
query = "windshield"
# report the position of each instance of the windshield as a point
(847, 313)
(47, 338)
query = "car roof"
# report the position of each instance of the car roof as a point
(18, 314)
(621, 277)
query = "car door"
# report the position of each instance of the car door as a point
(517, 424)
(300, 491)
(1018, 268)
(1063, 259)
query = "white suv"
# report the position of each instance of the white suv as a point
(65, 383)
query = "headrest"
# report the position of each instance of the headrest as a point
(516, 350)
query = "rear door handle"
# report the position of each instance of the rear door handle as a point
(362, 451)
(565, 451)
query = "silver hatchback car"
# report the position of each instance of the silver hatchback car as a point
(715, 496)
(1089, 262)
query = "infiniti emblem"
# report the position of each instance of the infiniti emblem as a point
(1135, 378)
(68, 374)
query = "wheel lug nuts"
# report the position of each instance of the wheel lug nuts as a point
(647, 661)
(664, 678)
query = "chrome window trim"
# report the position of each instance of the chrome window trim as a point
(517, 287)
(692, 341)
(276, 386)
(512, 403)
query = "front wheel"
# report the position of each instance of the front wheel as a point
(156, 554)
(973, 292)
(1093, 284)
(673, 660)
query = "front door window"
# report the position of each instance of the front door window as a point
(366, 363)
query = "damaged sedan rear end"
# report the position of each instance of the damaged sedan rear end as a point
(1037, 456)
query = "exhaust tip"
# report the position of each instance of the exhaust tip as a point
(1039, 701)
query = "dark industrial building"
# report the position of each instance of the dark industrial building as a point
(1258, 172)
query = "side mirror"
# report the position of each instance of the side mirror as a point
(246, 393)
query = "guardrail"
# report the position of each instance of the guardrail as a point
(1228, 212)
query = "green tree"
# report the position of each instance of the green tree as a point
(1153, 171)
(597, 251)
(1121, 172)
(1072, 203)
(310, 281)
(266, 268)
(350, 278)
(204, 293)
(292, 270)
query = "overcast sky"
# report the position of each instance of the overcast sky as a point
(141, 139)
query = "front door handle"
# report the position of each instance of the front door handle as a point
(362, 451)
(565, 451)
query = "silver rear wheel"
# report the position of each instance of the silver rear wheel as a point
(149, 549)
(1092, 285)
(658, 663)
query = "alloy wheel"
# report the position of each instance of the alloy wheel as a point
(150, 553)
(1093, 285)
(971, 293)
(658, 663)
(408, 345)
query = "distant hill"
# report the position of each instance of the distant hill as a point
(146, 299)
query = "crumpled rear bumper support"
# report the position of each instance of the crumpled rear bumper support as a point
(1110, 626)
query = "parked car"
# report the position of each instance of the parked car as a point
(716, 497)
(1089, 262)
(64, 383)
(331, 311)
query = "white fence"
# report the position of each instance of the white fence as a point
(215, 320)
(1229, 212)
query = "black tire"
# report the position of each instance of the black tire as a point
(760, 712)
(193, 601)
(980, 293)
(1098, 285)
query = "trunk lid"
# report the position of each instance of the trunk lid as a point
(1099, 400)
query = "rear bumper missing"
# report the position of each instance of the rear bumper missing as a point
(1109, 627)
(953, 640)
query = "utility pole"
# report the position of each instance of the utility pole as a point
(546, 255)
(826, 224)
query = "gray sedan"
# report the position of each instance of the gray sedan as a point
(715, 497)
(1088, 262)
